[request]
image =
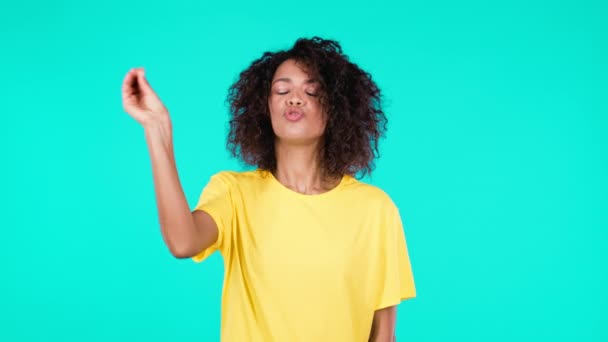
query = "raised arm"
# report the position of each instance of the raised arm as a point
(185, 233)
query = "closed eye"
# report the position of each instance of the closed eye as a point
(309, 94)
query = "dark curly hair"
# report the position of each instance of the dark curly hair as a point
(350, 98)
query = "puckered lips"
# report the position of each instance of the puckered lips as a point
(294, 114)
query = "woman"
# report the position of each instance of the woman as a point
(310, 252)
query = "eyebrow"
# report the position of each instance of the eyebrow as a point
(287, 79)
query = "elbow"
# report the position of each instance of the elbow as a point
(179, 254)
(183, 243)
(181, 250)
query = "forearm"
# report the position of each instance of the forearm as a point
(383, 325)
(382, 338)
(176, 222)
(382, 335)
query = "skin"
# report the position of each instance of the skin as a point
(297, 145)
(383, 326)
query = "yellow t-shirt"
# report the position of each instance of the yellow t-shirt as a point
(304, 267)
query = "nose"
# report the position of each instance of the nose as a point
(294, 100)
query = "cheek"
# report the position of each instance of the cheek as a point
(274, 113)
(273, 110)
(274, 105)
(319, 123)
(320, 116)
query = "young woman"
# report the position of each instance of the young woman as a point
(310, 252)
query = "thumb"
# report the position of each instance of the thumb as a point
(143, 83)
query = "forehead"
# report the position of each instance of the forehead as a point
(292, 70)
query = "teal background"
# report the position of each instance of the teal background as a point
(496, 155)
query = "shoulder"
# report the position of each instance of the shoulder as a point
(373, 195)
(375, 207)
(230, 178)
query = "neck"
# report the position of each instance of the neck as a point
(298, 168)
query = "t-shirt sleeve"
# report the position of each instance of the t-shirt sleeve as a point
(395, 277)
(216, 200)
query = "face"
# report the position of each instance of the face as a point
(295, 111)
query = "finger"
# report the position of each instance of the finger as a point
(143, 83)
(129, 84)
(134, 90)
(127, 79)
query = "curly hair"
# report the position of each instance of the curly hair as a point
(352, 101)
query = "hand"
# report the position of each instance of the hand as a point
(140, 101)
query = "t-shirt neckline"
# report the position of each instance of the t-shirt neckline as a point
(285, 189)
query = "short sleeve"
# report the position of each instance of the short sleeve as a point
(216, 200)
(396, 281)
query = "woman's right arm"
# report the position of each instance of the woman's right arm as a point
(185, 233)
